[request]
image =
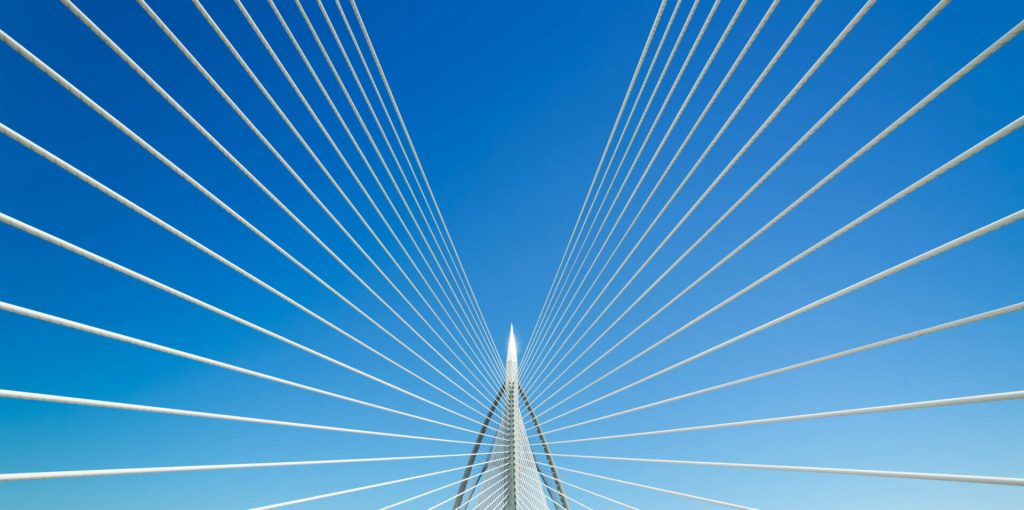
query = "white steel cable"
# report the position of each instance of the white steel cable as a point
(557, 323)
(924, 404)
(562, 277)
(427, 493)
(478, 495)
(71, 169)
(854, 21)
(942, 477)
(323, 51)
(441, 503)
(138, 342)
(376, 119)
(227, 43)
(679, 75)
(491, 493)
(529, 485)
(622, 186)
(487, 477)
(995, 137)
(421, 495)
(750, 91)
(316, 77)
(658, 489)
(181, 173)
(123, 406)
(542, 322)
(46, 475)
(61, 243)
(875, 140)
(578, 503)
(1002, 41)
(352, 490)
(425, 185)
(592, 493)
(124, 129)
(557, 504)
(303, 184)
(1013, 308)
(81, 15)
(964, 239)
(498, 447)
(24, 227)
(298, 92)
(507, 445)
(728, 75)
(850, 93)
(202, 70)
(611, 136)
(571, 499)
(657, 185)
(489, 354)
(489, 488)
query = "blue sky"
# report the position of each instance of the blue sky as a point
(509, 107)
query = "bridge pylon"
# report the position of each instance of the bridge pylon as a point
(510, 478)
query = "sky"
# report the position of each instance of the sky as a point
(509, 107)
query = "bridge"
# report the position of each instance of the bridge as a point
(219, 237)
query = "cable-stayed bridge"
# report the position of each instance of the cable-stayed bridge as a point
(306, 194)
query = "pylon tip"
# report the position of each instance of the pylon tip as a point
(511, 342)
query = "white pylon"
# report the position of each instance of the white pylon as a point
(511, 475)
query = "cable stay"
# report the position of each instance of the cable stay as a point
(315, 173)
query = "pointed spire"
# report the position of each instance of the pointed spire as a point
(511, 355)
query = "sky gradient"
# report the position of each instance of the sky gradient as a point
(509, 107)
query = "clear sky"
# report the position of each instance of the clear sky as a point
(509, 105)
